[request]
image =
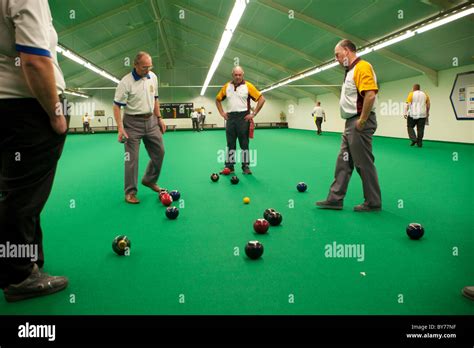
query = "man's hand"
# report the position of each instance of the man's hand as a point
(406, 116)
(122, 133)
(225, 116)
(162, 125)
(360, 124)
(58, 123)
(249, 117)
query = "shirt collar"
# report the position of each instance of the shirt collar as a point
(240, 84)
(350, 67)
(137, 77)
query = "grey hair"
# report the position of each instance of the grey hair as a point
(140, 55)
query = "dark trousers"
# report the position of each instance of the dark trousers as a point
(356, 151)
(319, 121)
(29, 152)
(195, 124)
(87, 128)
(237, 128)
(420, 129)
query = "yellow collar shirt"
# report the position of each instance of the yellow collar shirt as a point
(417, 101)
(238, 96)
(360, 77)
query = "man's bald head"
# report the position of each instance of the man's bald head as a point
(237, 74)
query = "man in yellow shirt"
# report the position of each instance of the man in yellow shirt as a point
(238, 93)
(417, 112)
(357, 108)
(86, 123)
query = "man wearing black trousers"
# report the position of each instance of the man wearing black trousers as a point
(238, 93)
(417, 113)
(32, 136)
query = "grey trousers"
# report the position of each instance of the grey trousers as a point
(139, 128)
(356, 151)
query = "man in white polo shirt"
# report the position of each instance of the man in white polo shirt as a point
(32, 135)
(318, 114)
(417, 112)
(238, 93)
(137, 93)
(357, 108)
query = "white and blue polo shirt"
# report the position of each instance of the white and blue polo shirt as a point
(137, 94)
(25, 26)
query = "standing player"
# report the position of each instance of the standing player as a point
(32, 135)
(417, 112)
(238, 93)
(319, 116)
(137, 92)
(357, 108)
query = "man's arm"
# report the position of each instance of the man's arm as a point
(118, 120)
(407, 108)
(39, 74)
(260, 103)
(157, 113)
(259, 106)
(369, 100)
(221, 110)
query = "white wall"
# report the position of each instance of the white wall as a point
(103, 99)
(443, 124)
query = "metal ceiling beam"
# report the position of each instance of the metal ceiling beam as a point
(430, 73)
(255, 72)
(251, 71)
(108, 61)
(97, 19)
(201, 61)
(116, 40)
(264, 61)
(161, 29)
(443, 4)
(241, 29)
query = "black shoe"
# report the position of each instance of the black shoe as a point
(329, 205)
(420, 144)
(468, 291)
(363, 208)
(37, 284)
(413, 143)
(246, 170)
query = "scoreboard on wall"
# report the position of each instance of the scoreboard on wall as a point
(176, 110)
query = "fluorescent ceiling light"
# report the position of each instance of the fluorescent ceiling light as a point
(435, 23)
(445, 20)
(235, 16)
(77, 94)
(86, 64)
(405, 36)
